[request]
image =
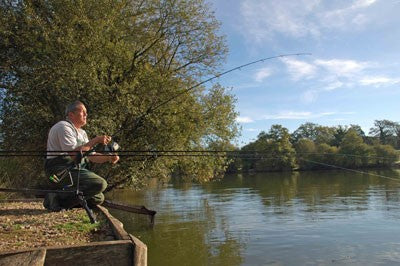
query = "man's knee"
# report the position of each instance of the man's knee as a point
(99, 185)
(92, 182)
(104, 185)
(95, 200)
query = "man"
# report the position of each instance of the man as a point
(65, 141)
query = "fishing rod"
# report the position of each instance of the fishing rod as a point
(179, 153)
(140, 118)
(224, 73)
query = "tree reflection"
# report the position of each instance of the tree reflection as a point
(214, 223)
(186, 233)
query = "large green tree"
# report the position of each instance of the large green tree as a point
(272, 151)
(314, 132)
(124, 59)
(355, 153)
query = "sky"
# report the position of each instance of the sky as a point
(351, 77)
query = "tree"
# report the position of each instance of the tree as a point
(279, 154)
(253, 151)
(327, 154)
(314, 156)
(314, 132)
(385, 130)
(355, 153)
(358, 130)
(123, 59)
(385, 155)
(396, 130)
(305, 131)
(340, 132)
(305, 152)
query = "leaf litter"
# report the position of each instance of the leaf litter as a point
(26, 225)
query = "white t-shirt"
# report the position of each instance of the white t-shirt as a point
(63, 136)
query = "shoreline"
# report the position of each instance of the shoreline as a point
(123, 247)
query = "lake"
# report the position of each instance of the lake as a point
(299, 218)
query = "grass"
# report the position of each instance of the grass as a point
(17, 227)
(28, 225)
(83, 225)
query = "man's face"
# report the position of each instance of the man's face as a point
(78, 117)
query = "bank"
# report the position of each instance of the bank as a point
(116, 247)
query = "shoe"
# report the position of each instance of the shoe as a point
(51, 202)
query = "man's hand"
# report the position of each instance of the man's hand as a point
(102, 139)
(113, 158)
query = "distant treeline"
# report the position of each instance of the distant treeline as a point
(313, 146)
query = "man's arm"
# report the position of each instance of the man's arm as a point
(96, 157)
(87, 146)
(103, 158)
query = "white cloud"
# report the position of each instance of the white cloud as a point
(301, 18)
(296, 115)
(339, 73)
(262, 74)
(347, 18)
(378, 80)
(346, 113)
(309, 96)
(362, 3)
(333, 85)
(299, 69)
(341, 67)
(252, 129)
(293, 115)
(332, 74)
(325, 114)
(261, 19)
(244, 119)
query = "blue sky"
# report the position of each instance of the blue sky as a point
(352, 76)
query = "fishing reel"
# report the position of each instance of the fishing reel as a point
(111, 147)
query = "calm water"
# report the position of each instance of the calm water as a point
(313, 218)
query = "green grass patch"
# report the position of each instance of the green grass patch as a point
(17, 227)
(83, 225)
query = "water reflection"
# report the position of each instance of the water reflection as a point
(301, 218)
(188, 230)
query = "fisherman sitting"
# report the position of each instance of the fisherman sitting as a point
(65, 142)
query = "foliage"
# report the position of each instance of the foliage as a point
(385, 155)
(305, 131)
(355, 153)
(327, 154)
(314, 132)
(340, 132)
(317, 147)
(123, 59)
(388, 132)
(277, 153)
(305, 151)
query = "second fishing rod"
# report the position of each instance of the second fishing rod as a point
(139, 120)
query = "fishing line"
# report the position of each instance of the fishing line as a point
(139, 119)
(348, 169)
(226, 72)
